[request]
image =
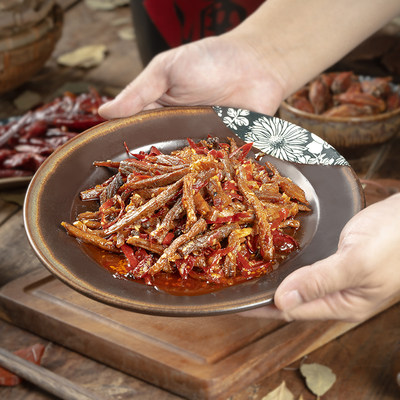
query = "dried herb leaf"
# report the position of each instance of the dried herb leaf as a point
(121, 21)
(85, 57)
(27, 100)
(280, 393)
(105, 5)
(126, 33)
(319, 378)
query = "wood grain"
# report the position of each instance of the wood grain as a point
(199, 358)
(45, 379)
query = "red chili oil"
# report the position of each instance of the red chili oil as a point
(171, 283)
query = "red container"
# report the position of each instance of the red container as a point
(163, 24)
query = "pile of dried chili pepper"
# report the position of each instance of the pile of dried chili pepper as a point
(27, 141)
(345, 94)
(206, 212)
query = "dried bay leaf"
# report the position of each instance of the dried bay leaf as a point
(105, 5)
(126, 33)
(279, 393)
(27, 100)
(319, 378)
(121, 21)
(84, 57)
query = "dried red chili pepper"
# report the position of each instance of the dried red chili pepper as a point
(241, 153)
(130, 255)
(32, 353)
(283, 242)
(197, 147)
(37, 127)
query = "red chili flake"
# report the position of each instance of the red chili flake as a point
(197, 148)
(32, 353)
(284, 243)
(241, 152)
(130, 255)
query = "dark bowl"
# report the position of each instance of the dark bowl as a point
(341, 132)
(345, 132)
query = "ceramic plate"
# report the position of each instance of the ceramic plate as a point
(330, 185)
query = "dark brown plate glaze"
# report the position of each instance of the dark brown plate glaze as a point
(53, 196)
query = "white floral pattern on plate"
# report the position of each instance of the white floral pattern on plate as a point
(279, 138)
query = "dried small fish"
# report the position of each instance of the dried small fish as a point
(206, 212)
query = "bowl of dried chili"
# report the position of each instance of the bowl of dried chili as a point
(345, 109)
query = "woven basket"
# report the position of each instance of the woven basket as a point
(25, 49)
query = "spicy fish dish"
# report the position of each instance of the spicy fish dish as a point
(199, 219)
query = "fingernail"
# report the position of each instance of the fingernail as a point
(290, 300)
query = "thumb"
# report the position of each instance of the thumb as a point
(315, 291)
(143, 92)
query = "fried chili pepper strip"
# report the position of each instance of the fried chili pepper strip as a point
(145, 244)
(109, 164)
(242, 217)
(170, 252)
(236, 238)
(208, 239)
(166, 159)
(146, 209)
(199, 149)
(265, 236)
(109, 205)
(220, 199)
(200, 204)
(252, 271)
(241, 152)
(287, 185)
(175, 212)
(185, 266)
(130, 255)
(292, 190)
(94, 192)
(90, 238)
(112, 188)
(159, 180)
(131, 165)
(188, 200)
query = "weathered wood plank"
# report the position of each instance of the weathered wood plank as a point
(199, 358)
(16, 255)
(6, 210)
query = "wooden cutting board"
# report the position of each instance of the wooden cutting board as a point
(198, 358)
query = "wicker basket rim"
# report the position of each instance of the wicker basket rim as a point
(28, 36)
(28, 53)
(23, 17)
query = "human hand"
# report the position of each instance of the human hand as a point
(257, 64)
(224, 70)
(353, 283)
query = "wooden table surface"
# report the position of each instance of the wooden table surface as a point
(365, 359)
